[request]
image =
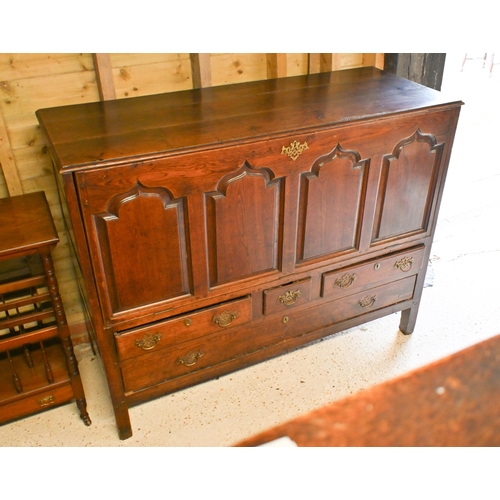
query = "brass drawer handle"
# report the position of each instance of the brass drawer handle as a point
(190, 358)
(289, 298)
(346, 281)
(404, 264)
(294, 150)
(149, 341)
(46, 401)
(225, 319)
(367, 301)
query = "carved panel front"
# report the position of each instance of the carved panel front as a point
(143, 244)
(331, 204)
(407, 185)
(244, 225)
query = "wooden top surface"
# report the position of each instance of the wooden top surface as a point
(452, 402)
(26, 224)
(182, 121)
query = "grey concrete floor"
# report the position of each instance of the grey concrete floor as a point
(458, 310)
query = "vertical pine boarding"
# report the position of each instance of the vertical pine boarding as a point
(32, 81)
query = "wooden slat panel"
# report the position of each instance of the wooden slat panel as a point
(104, 74)
(7, 162)
(200, 68)
(236, 68)
(276, 65)
(157, 75)
(25, 65)
(21, 98)
(297, 64)
(319, 63)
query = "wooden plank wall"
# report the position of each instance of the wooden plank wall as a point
(32, 81)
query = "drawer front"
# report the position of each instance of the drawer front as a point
(167, 364)
(370, 300)
(284, 297)
(183, 328)
(37, 402)
(344, 282)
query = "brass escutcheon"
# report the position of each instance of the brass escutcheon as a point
(404, 264)
(294, 150)
(289, 298)
(346, 281)
(190, 358)
(225, 319)
(367, 301)
(187, 322)
(148, 342)
(46, 401)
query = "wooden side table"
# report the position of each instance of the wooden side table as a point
(38, 368)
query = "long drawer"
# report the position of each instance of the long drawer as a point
(166, 364)
(344, 282)
(186, 327)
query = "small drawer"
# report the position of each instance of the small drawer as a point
(189, 357)
(284, 297)
(373, 299)
(36, 402)
(189, 326)
(344, 282)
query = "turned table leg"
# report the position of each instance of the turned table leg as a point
(64, 334)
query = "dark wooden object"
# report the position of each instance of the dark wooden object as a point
(427, 69)
(452, 402)
(38, 368)
(218, 227)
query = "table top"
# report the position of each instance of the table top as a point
(26, 224)
(85, 135)
(452, 402)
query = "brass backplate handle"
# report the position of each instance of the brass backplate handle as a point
(290, 297)
(190, 358)
(367, 301)
(225, 318)
(46, 401)
(346, 281)
(404, 264)
(149, 341)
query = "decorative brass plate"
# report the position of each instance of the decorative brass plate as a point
(367, 301)
(294, 150)
(46, 401)
(346, 281)
(190, 358)
(148, 342)
(225, 318)
(404, 264)
(290, 297)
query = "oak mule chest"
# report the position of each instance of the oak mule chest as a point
(218, 227)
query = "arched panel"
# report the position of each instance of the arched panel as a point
(144, 247)
(244, 225)
(407, 185)
(331, 204)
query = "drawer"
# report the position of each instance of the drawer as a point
(284, 297)
(376, 298)
(159, 366)
(36, 402)
(343, 282)
(182, 328)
